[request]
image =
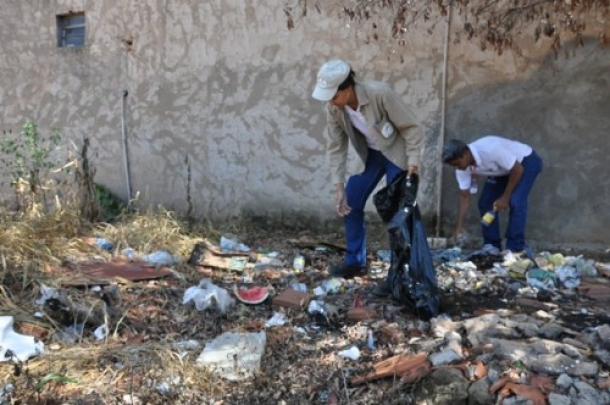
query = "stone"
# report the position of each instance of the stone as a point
(575, 343)
(603, 356)
(447, 356)
(586, 394)
(564, 381)
(478, 393)
(555, 364)
(529, 329)
(603, 332)
(444, 386)
(551, 330)
(520, 318)
(558, 399)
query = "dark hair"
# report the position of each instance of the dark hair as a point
(454, 149)
(348, 82)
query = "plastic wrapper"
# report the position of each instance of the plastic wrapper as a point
(207, 295)
(412, 279)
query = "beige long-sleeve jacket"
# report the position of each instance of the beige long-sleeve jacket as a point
(392, 124)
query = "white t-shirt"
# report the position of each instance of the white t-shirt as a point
(359, 122)
(494, 156)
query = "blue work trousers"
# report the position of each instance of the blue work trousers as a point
(493, 189)
(359, 188)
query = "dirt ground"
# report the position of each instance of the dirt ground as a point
(137, 362)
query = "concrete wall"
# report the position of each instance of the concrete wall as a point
(226, 87)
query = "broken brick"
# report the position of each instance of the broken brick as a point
(409, 367)
(360, 314)
(31, 329)
(529, 303)
(290, 298)
(391, 333)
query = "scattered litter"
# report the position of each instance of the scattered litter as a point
(330, 286)
(15, 346)
(251, 295)
(130, 254)
(541, 279)
(370, 341)
(207, 295)
(190, 344)
(298, 264)
(278, 319)
(353, 353)
(100, 332)
(234, 356)
(384, 255)
(72, 334)
(161, 258)
(568, 276)
(164, 389)
(266, 262)
(299, 287)
(100, 242)
(231, 245)
(46, 293)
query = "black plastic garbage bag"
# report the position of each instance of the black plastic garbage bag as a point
(413, 279)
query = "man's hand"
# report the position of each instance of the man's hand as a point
(342, 208)
(412, 170)
(501, 204)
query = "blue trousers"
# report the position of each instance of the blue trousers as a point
(359, 188)
(517, 218)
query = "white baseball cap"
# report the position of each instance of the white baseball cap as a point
(330, 76)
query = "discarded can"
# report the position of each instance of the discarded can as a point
(298, 263)
(489, 217)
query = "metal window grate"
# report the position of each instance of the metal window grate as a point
(71, 30)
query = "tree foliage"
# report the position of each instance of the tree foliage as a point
(497, 24)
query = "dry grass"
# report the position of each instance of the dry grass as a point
(138, 356)
(30, 247)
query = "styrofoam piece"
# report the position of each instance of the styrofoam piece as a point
(234, 356)
(22, 347)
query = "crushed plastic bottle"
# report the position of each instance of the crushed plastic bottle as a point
(370, 341)
(231, 245)
(103, 243)
(298, 263)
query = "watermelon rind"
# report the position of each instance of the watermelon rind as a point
(253, 295)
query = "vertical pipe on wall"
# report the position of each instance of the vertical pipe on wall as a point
(125, 151)
(439, 180)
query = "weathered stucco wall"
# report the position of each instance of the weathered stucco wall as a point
(226, 87)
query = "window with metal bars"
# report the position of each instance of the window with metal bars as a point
(71, 30)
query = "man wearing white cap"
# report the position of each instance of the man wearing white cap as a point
(386, 136)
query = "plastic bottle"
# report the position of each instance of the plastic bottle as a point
(473, 184)
(103, 243)
(298, 263)
(489, 217)
(370, 342)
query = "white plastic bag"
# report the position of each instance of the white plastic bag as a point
(207, 295)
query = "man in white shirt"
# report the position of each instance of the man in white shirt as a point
(511, 168)
(385, 134)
